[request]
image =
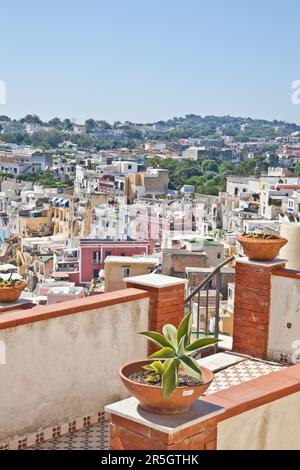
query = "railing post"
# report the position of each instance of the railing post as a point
(217, 311)
(198, 316)
(206, 310)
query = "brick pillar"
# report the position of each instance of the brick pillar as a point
(252, 300)
(167, 296)
(132, 429)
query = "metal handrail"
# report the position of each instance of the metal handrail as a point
(196, 292)
(208, 279)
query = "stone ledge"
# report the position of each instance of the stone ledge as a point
(40, 313)
(157, 281)
(169, 424)
(290, 273)
(267, 264)
(257, 392)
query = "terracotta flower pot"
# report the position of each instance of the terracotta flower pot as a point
(151, 397)
(11, 293)
(261, 250)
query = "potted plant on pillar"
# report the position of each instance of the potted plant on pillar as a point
(10, 289)
(174, 380)
(11, 286)
(261, 246)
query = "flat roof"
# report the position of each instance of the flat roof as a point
(132, 259)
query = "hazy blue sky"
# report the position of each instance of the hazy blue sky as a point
(144, 60)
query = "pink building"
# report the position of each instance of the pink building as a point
(93, 253)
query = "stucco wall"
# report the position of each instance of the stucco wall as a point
(275, 426)
(67, 366)
(284, 327)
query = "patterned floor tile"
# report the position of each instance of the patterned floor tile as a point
(90, 438)
(240, 373)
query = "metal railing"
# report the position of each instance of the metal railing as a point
(205, 285)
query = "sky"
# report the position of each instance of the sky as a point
(146, 60)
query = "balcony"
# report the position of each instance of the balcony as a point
(66, 354)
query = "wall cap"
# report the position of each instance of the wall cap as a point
(268, 264)
(155, 280)
(42, 313)
(168, 424)
(290, 273)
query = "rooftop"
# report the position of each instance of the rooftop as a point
(132, 260)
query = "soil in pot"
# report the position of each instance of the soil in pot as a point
(183, 380)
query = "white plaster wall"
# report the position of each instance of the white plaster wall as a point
(67, 367)
(291, 251)
(284, 310)
(275, 426)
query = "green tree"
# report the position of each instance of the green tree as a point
(90, 125)
(56, 122)
(31, 119)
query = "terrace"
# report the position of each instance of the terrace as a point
(68, 356)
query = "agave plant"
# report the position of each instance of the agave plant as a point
(176, 350)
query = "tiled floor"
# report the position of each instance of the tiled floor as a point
(91, 438)
(97, 437)
(240, 373)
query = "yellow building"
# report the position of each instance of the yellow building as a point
(37, 223)
(116, 268)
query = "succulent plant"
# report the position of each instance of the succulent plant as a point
(10, 283)
(259, 236)
(176, 350)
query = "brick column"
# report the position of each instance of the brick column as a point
(252, 300)
(167, 296)
(133, 429)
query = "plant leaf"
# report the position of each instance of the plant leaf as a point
(151, 377)
(201, 343)
(158, 367)
(170, 332)
(164, 353)
(181, 347)
(167, 363)
(185, 328)
(170, 379)
(157, 339)
(191, 367)
(149, 367)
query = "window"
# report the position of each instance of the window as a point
(95, 273)
(108, 253)
(97, 257)
(219, 255)
(123, 254)
(126, 272)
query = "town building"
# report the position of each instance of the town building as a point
(116, 268)
(93, 253)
